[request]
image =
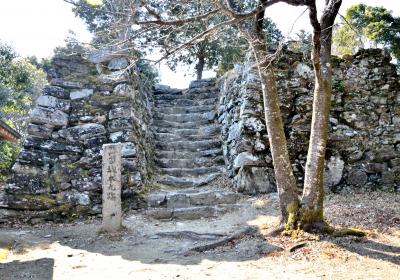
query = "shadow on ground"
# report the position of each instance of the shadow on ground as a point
(372, 249)
(147, 241)
(23, 270)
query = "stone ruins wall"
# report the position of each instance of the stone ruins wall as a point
(364, 144)
(89, 102)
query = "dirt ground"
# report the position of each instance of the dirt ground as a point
(149, 249)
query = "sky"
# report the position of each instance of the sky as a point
(36, 27)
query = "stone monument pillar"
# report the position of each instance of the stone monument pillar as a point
(111, 182)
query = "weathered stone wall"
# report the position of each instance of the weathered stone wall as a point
(92, 101)
(364, 145)
(86, 105)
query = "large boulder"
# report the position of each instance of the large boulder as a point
(55, 91)
(49, 116)
(334, 171)
(66, 84)
(255, 180)
(118, 63)
(82, 132)
(53, 102)
(82, 93)
(246, 159)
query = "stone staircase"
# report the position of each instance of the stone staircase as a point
(188, 154)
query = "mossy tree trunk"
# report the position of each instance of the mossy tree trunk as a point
(309, 214)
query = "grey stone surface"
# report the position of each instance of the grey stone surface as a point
(363, 124)
(245, 159)
(111, 188)
(66, 84)
(82, 93)
(82, 132)
(118, 63)
(196, 133)
(124, 90)
(53, 102)
(49, 116)
(40, 130)
(55, 91)
(61, 156)
(334, 171)
(254, 180)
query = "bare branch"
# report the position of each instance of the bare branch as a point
(178, 22)
(199, 37)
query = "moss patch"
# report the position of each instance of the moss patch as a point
(42, 201)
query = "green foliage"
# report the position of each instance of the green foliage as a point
(148, 72)
(302, 43)
(232, 47)
(366, 24)
(72, 46)
(218, 52)
(20, 84)
(338, 85)
(8, 152)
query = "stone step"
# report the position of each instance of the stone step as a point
(185, 109)
(210, 88)
(192, 146)
(190, 163)
(186, 102)
(179, 137)
(168, 124)
(187, 172)
(164, 89)
(202, 83)
(189, 117)
(193, 95)
(185, 199)
(191, 213)
(209, 129)
(188, 155)
(187, 182)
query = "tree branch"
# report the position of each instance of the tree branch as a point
(198, 37)
(178, 22)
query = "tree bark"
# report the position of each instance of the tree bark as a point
(285, 180)
(313, 192)
(201, 60)
(200, 67)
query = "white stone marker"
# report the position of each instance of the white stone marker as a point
(111, 182)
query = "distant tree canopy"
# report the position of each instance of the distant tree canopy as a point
(219, 52)
(20, 84)
(365, 25)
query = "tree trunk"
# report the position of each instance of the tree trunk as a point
(200, 67)
(319, 134)
(285, 180)
(201, 57)
(311, 212)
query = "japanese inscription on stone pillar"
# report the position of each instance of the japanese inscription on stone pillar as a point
(111, 182)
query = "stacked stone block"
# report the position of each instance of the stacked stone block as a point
(89, 102)
(363, 149)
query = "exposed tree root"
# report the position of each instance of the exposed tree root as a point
(238, 235)
(312, 220)
(297, 246)
(190, 235)
(345, 232)
(325, 228)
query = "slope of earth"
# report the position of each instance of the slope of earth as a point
(150, 249)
